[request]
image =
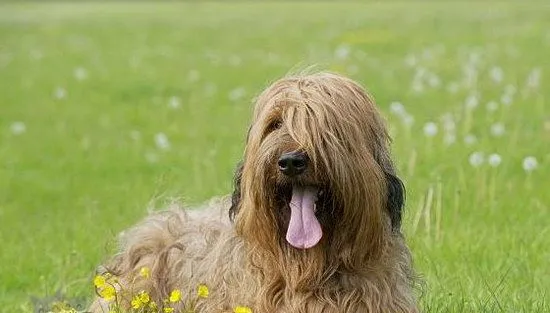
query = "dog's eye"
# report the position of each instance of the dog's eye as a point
(274, 126)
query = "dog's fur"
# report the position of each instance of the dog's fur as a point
(361, 263)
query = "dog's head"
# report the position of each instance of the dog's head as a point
(317, 171)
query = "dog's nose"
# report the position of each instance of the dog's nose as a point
(292, 163)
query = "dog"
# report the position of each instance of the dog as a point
(313, 224)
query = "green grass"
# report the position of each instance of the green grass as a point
(87, 165)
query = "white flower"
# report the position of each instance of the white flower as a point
(235, 60)
(448, 122)
(417, 86)
(430, 129)
(342, 52)
(434, 81)
(492, 106)
(80, 73)
(60, 93)
(533, 80)
(352, 69)
(236, 94)
(151, 157)
(471, 102)
(476, 159)
(497, 74)
(18, 128)
(497, 129)
(530, 163)
(210, 89)
(506, 99)
(449, 139)
(470, 139)
(135, 135)
(161, 140)
(174, 102)
(453, 87)
(36, 54)
(397, 108)
(494, 160)
(408, 120)
(410, 60)
(193, 75)
(510, 90)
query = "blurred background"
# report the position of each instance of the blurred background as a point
(108, 109)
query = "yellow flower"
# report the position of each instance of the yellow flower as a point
(108, 293)
(136, 302)
(168, 310)
(242, 309)
(99, 281)
(145, 272)
(175, 295)
(203, 291)
(144, 297)
(153, 305)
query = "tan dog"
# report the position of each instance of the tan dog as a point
(314, 219)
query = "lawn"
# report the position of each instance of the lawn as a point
(108, 109)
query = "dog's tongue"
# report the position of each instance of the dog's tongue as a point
(304, 230)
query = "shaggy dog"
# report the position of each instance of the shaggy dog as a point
(313, 224)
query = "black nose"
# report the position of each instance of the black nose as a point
(292, 163)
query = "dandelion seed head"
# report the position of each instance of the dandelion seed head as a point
(497, 74)
(151, 157)
(530, 163)
(193, 76)
(497, 129)
(162, 142)
(471, 102)
(18, 128)
(410, 60)
(342, 52)
(236, 94)
(494, 160)
(449, 124)
(510, 89)
(476, 159)
(449, 139)
(60, 93)
(210, 89)
(80, 73)
(418, 86)
(533, 80)
(453, 87)
(397, 108)
(408, 120)
(36, 54)
(174, 102)
(434, 81)
(492, 106)
(235, 60)
(506, 99)
(470, 139)
(430, 129)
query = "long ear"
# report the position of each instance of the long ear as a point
(396, 200)
(236, 196)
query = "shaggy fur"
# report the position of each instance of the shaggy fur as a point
(361, 263)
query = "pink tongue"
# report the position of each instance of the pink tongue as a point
(304, 230)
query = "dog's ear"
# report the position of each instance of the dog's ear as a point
(396, 200)
(236, 196)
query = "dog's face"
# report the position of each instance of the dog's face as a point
(317, 169)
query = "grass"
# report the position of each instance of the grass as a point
(89, 92)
